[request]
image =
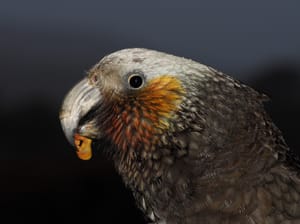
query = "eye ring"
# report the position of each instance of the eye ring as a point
(136, 81)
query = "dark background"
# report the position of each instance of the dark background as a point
(47, 46)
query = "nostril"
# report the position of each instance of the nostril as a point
(95, 78)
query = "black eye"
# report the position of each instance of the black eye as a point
(135, 81)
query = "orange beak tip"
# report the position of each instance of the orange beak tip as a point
(84, 155)
(83, 147)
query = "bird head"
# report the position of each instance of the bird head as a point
(128, 98)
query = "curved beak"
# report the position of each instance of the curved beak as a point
(77, 103)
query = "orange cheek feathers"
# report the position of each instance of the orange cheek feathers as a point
(139, 117)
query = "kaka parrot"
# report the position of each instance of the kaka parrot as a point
(193, 144)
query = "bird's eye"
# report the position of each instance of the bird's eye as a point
(135, 81)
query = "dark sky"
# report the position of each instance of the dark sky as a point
(47, 46)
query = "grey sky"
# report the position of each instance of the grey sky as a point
(46, 46)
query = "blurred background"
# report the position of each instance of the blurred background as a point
(47, 46)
